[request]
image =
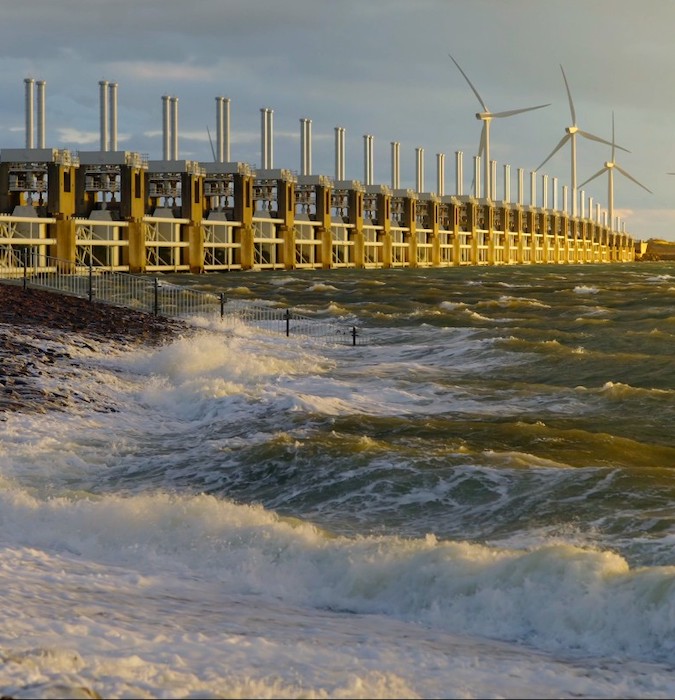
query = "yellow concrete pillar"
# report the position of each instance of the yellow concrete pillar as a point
(493, 236)
(243, 213)
(472, 217)
(410, 205)
(459, 211)
(383, 199)
(65, 250)
(192, 208)
(286, 212)
(61, 205)
(61, 189)
(355, 213)
(136, 251)
(435, 225)
(322, 198)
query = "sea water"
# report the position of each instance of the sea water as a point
(478, 501)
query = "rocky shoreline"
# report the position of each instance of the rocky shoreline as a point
(37, 327)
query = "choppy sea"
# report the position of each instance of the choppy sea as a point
(478, 501)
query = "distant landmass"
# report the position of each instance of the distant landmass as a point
(655, 249)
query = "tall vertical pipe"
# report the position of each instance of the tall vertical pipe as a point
(507, 183)
(582, 204)
(103, 113)
(222, 129)
(533, 188)
(590, 208)
(225, 130)
(544, 191)
(269, 132)
(395, 165)
(565, 205)
(309, 146)
(112, 88)
(521, 185)
(440, 174)
(29, 107)
(554, 188)
(263, 138)
(219, 154)
(493, 181)
(174, 128)
(419, 169)
(41, 110)
(306, 146)
(368, 141)
(303, 147)
(339, 153)
(477, 193)
(166, 127)
(459, 173)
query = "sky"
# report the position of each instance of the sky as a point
(376, 67)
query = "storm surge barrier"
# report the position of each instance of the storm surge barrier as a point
(150, 294)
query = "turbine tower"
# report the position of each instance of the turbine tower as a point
(486, 116)
(610, 166)
(571, 136)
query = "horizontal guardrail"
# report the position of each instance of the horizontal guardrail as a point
(152, 295)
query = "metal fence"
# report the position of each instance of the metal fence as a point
(151, 295)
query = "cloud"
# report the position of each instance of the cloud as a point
(68, 134)
(161, 70)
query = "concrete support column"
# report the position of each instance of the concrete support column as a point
(192, 208)
(322, 197)
(434, 210)
(384, 220)
(286, 204)
(356, 219)
(410, 205)
(137, 249)
(472, 215)
(63, 229)
(243, 212)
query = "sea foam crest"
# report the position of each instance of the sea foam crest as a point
(568, 599)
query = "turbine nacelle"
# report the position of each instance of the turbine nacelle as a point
(572, 129)
(484, 116)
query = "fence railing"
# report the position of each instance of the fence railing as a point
(152, 295)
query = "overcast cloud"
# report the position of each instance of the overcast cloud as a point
(377, 67)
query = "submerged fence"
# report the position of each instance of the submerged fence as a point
(151, 295)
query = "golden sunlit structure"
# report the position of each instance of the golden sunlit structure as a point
(118, 210)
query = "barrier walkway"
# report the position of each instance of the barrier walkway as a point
(151, 295)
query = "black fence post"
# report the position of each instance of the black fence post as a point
(222, 305)
(354, 334)
(91, 280)
(156, 305)
(25, 268)
(287, 316)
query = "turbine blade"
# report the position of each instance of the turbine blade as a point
(586, 135)
(612, 136)
(475, 92)
(561, 143)
(511, 112)
(630, 177)
(592, 177)
(569, 97)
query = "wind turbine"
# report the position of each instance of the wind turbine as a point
(486, 116)
(571, 136)
(610, 166)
